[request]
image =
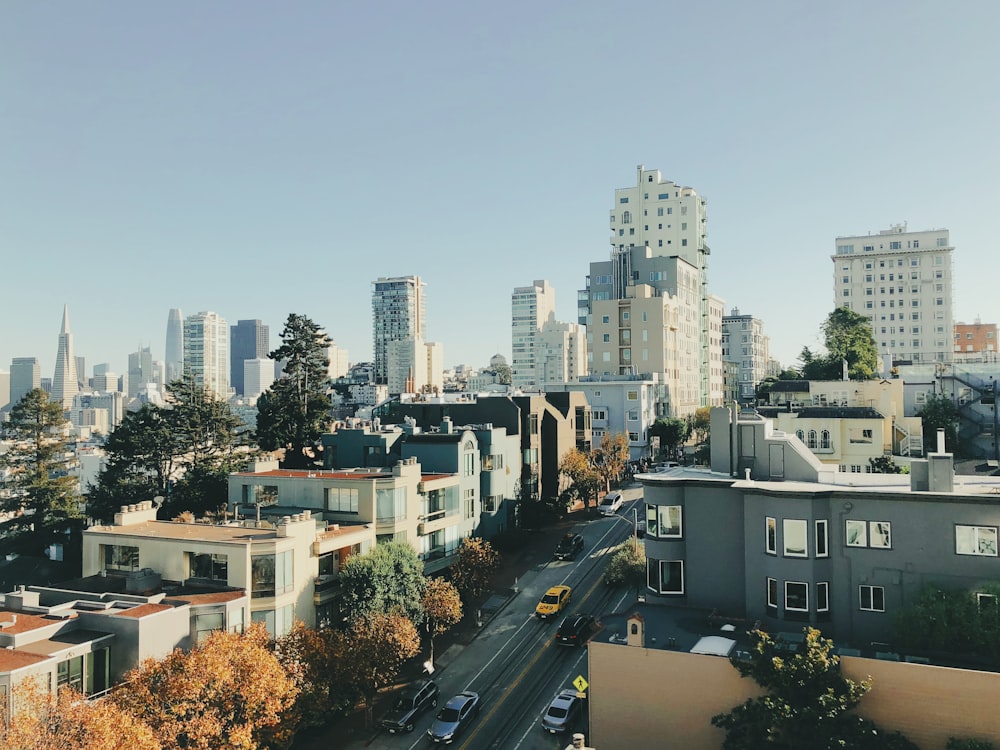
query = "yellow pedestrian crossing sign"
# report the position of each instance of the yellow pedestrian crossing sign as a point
(581, 684)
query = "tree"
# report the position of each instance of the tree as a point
(952, 620)
(39, 501)
(42, 720)
(389, 578)
(672, 432)
(472, 571)
(442, 608)
(293, 413)
(939, 413)
(379, 644)
(807, 704)
(611, 458)
(884, 465)
(314, 659)
(627, 566)
(229, 691)
(701, 423)
(183, 451)
(585, 482)
(848, 336)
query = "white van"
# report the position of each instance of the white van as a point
(611, 503)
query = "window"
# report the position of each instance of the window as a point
(632, 395)
(260, 494)
(823, 597)
(772, 593)
(822, 539)
(794, 534)
(872, 598)
(341, 499)
(976, 540)
(664, 521)
(208, 566)
(824, 440)
(491, 503)
(271, 574)
(277, 621)
(665, 576)
(812, 442)
(771, 535)
(796, 596)
(987, 603)
(205, 624)
(118, 557)
(469, 463)
(470, 503)
(857, 534)
(390, 504)
(876, 534)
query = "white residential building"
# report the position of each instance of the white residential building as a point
(561, 352)
(414, 366)
(258, 375)
(398, 312)
(339, 361)
(902, 282)
(206, 351)
(744, 343)
(531, 307)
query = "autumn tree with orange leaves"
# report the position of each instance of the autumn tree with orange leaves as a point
(229, 691)
(442, 608)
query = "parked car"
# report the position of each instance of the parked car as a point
(611, 503)
(563, 712)
(575, 630)
(569, 547)
(554, 601)
(412, 702)
(454, 717)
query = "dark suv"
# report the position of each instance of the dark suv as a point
(569, 547)
(575, 630)
(412, 702)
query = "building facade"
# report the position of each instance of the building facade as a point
(65, 382)
(173, 360)
(902, 282)
(25, 376)
(744, 342)
(560, 352)
(248, 339)
(976, 342)
(398, 312)
(206, 352)
(531, 307)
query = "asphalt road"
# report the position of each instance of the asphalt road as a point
(514, 663)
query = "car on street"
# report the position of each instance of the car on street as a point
(575, 630)
(554, 601)
(611, 503)
(563, 712)
(455, 716)
(569, 547)
(412, 702)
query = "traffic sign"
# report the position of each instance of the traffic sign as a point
(581, 684)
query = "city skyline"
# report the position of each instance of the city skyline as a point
(161, 168)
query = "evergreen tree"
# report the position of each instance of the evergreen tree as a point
(293, 413)
(39, 502)
(847, 336)
(390, 578)
(939, 412)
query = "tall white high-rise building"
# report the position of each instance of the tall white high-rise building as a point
(339, 361)
(65, 383)
(901, 281)
(671, 220)
(258, 376)
(415, 366)
(140, 370)
(398, 313)
(174, 359)
(560, 352)
(531, 307)
(25, 376)
(206, 351)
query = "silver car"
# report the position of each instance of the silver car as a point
(563, 712)
(454, 717)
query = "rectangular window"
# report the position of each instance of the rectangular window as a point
(857, 534)
(470, 503)
(118, 557)
(796, 596)
(976, 540)
(210, 567)
(794, 533)
(205, 624)
(671, 576)
(341, 499)
(822, 596)
(822, 539)
(772, 593)
(879, 534)
(390, 504)
(771, 535)
(872, 598)
(632, 395)
(669, 521)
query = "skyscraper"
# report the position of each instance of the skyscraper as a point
(248, 339)
(174, 359)
(531, 307)
(398, 312)
(25, 376)
(65, 383)
(140, 370)
(901, 281)
(206, 351)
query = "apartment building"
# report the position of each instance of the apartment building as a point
(531, 308)
(399, 311)
(745, 343)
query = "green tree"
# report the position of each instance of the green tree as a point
(39, 502)
(884, 465)
(294, 412)
(442, 608)
(847, 336)
(389, 578)
(584, 480)
(939, 413)
(473, 570)
(627, 566)
(807, 704)
(701, 423)
(672, 432)
(952, 620)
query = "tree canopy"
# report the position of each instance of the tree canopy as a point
(294, 412)
(442, 608)
(807, 704)
(627, 566)
(672, 432)
(954, 621)
(939, 413)
(584, 481)
(389, 578)
(39, 501)
(473, 570)
(847, 336)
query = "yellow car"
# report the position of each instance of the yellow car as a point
(556, 600)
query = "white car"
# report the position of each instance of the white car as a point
(611, 503)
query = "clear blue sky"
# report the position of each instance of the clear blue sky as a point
(261, 158)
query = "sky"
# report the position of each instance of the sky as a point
(259, 159)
